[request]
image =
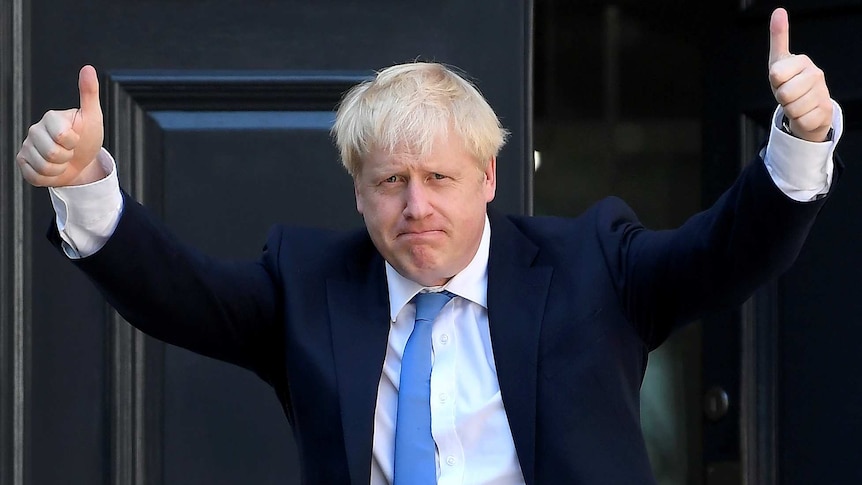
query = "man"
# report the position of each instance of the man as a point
(531, 370)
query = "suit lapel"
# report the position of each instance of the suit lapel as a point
(359, 318)
(517, 292)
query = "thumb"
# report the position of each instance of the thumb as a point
(779, 36)
(88, 87)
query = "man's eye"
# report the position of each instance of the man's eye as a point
(438, 176)
(391, 180)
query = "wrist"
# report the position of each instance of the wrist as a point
(93, 172)
(818, 136)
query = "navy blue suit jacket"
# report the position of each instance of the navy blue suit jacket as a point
(574, 305)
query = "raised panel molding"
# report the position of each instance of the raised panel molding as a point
(130, 95)
(137, 361)
(226, 91)
(15, 300)
(759, 348)
(799, 6)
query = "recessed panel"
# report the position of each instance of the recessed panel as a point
(226, 178)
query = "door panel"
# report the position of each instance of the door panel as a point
(789, 358)
(218, 114)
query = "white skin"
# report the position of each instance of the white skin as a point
(798, 85)
(60, 150)
(426, 214)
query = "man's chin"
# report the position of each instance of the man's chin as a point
(426, 274)
(431, 280)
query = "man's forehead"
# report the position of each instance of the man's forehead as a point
(382, 161)
(436, 155)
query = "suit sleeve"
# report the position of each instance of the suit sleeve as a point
(225, 310)
(715, 260)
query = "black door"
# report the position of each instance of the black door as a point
(218, 114)
(789, 360)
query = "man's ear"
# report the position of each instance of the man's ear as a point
(359, 207)
(490, 183)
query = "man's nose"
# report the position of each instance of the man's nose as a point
(417, 204)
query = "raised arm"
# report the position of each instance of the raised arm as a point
(755, 230)
(225, 310)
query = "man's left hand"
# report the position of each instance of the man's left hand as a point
(798, 84)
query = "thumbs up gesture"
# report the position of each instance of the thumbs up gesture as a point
(60, 150)
(798, 84)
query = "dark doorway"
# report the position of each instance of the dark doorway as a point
(662, 103)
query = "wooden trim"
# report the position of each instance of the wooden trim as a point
(759, 352)
(528, 155)
(235, 91)
(14, 257)
(761, 9)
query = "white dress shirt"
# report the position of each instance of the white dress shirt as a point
(468, 422)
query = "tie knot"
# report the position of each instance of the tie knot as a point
(428, 305)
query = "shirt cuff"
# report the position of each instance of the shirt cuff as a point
(802, 169)
(87, 215)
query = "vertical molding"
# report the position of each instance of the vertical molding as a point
(133, 439)
(135, 374)
(14, 257)
(7, 209)
(758, 379)
(759, 365)
(529, 155)
(120, 369)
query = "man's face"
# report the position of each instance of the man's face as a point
(426, 215)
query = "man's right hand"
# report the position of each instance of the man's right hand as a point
(60, 150)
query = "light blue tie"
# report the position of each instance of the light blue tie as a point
(414, 445)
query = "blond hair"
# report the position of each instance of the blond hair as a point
(406, 107)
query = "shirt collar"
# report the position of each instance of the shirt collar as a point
(471, 283)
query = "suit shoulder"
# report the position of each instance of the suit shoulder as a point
(316, 248)
(606, 215)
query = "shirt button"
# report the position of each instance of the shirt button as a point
(450, 460)
(443, 397)
(444, 339)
